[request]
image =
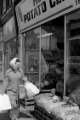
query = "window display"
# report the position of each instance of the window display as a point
(52, 55)
(73, 54)
(44, 55)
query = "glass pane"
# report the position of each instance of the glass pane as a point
(32, 40)
(52, 55)
(73, 57)
(32, 50)
(1, 56)
(0, 68)
(32, 59)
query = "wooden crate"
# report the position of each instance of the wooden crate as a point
(5, 115)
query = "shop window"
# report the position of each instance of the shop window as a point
(32, 50)
(44, 55)
(73, 50)
(10, 52)
(52, 55)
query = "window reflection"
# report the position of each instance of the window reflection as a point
(52, 55)
(73, 39)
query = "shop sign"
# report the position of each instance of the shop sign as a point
(30, 12)
(9, 30)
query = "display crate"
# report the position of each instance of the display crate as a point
(5, 115)
(41, 114)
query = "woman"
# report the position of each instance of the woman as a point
(13, 78)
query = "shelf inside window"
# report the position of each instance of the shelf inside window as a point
(74, 38)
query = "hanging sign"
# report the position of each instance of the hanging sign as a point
(30, 12)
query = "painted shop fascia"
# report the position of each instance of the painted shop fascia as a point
(30, 13)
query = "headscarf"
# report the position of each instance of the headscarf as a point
(13, 62)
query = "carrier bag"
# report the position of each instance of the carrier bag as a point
(4, 102)
(31, 89)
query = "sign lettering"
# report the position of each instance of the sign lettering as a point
(31, 12)
(41, 8)
(54, 3)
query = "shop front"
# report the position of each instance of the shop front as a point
(44, 54)
(9, 38)
(42, 23)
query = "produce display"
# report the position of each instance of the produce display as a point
(54, 106)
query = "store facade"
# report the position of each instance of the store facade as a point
(9, 38)
(43, 27)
